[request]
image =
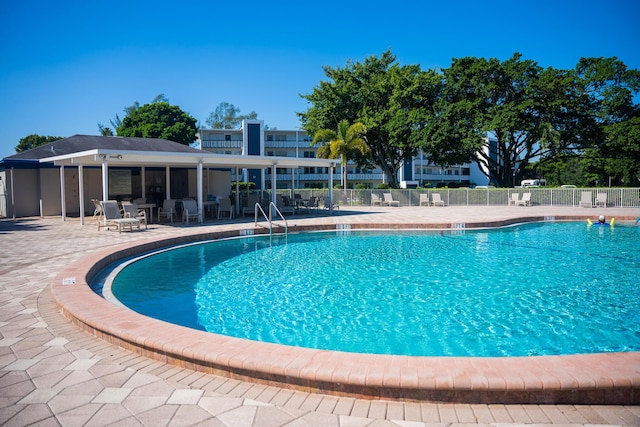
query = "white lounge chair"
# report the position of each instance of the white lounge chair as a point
(375, 200)
(327, 204)
(586, 200)
(437, 200)
(424, 199)
(190, 210)
(112, 217)
(515, 197)
(131, 210)
(388, 200)
(601, 200)
(168, 210)
(525, 201)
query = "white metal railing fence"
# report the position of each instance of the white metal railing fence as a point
(616, 197)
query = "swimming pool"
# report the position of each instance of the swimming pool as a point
(555, 288)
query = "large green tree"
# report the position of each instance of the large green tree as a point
(227, 116)
(506, 115)
(159, 120)
(611, 88)
(346, 143)
(33, 141)
(390, 100)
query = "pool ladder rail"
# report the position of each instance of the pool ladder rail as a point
(272, 208)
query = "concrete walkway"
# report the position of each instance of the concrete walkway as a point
(52, 373)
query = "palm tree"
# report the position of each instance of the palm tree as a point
(348, 143)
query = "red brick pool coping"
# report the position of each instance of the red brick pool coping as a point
(607, 378)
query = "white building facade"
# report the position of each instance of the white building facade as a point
(253, 139)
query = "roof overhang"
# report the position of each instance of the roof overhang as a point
(125, 158)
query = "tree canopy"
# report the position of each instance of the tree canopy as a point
(159, 120)
(227, 116)
(511, 117)
(390, 100)
(33, 141)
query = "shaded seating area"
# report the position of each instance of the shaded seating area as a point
(586, 199)
(328, 205)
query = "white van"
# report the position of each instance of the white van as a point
(533, 183)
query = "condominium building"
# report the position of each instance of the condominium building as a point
(254, 139)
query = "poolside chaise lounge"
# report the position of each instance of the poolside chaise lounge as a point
(190, 210)
(424, 199)
(601, 200)
(375, 200)
(437, 200)
(112, 217)
(515, 197)
(525, 201)
(586, 200)
(388, 200)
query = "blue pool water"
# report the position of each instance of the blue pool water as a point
(535, 289)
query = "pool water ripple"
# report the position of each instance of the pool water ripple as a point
(534, 289)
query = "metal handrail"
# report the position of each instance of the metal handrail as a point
(258, 207)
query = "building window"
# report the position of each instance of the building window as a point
(227, 137)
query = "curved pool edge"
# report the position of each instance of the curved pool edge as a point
(607, 378)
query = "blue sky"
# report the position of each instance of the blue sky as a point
(66, 66)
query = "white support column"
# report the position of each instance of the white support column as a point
(105, 180)
(199, 185)
(63, 204)
(167, 179)
(143, 183)
(13, 198)
(273, 184)
(331, 190)
(237, 207)
(81, 192)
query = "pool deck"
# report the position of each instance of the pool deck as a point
(53, 372)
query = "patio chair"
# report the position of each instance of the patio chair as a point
(437, 200)
(168, 209)
(375, 200)
(388, 200)
(131, 210)
(97, 211)
(284, 205)
(525, 201)
(601, 200)
(313, 203)
(224, 206)
(424, 199)
(586, 200)
(252, 200)
(515, 198)
(190, 210)
(327, 204)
